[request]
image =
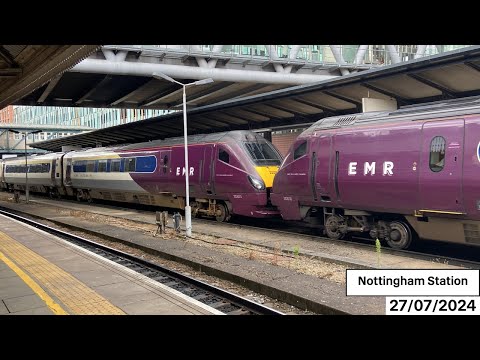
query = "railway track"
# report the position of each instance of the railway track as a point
(464, 255)
(451, 253)
(223, 301)
(430, 252)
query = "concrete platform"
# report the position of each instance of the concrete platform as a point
(42, 274)
(305, 291)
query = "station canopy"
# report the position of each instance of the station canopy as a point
(25, 68)
(451, 75)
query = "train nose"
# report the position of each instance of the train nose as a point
(267, 173)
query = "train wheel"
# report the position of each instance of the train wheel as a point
(224, 214)
(400, 235)
(332, 227)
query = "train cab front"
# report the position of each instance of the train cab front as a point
(266, 159)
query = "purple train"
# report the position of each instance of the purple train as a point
(230, 173)
(394, 175)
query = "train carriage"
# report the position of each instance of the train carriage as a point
(230, 173)
(41, 173)
(393, 175)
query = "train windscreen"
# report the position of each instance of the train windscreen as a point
(263, 153)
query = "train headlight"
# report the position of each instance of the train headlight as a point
(257, 184)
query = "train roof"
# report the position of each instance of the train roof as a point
(438, 109)
(48, 156)
(235, 136)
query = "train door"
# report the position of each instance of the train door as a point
(441, 163)
(320, 159)
(165, 161)
(208, 170)
(313, 167)
(2, 176)
(53, 171)
(68, 173)
(59, 171)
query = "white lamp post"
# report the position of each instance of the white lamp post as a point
(188, 210)
(26, 133)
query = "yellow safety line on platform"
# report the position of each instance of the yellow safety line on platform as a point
(72, 293)
(57, 309)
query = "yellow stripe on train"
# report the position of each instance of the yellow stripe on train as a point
(267, 173)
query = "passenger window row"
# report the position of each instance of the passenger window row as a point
(131, 164)
(32, 168)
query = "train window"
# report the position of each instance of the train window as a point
(130, 164)
(300, 150)
(437, 153)
(115, 166)
(90, 166)
(224, 156)
(80, 166)
(102, 166)
(145, 164)
(263, 153)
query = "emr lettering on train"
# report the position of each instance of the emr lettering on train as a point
(370, 168)
(183, 171)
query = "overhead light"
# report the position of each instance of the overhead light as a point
(165, 77)
(204, 81)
